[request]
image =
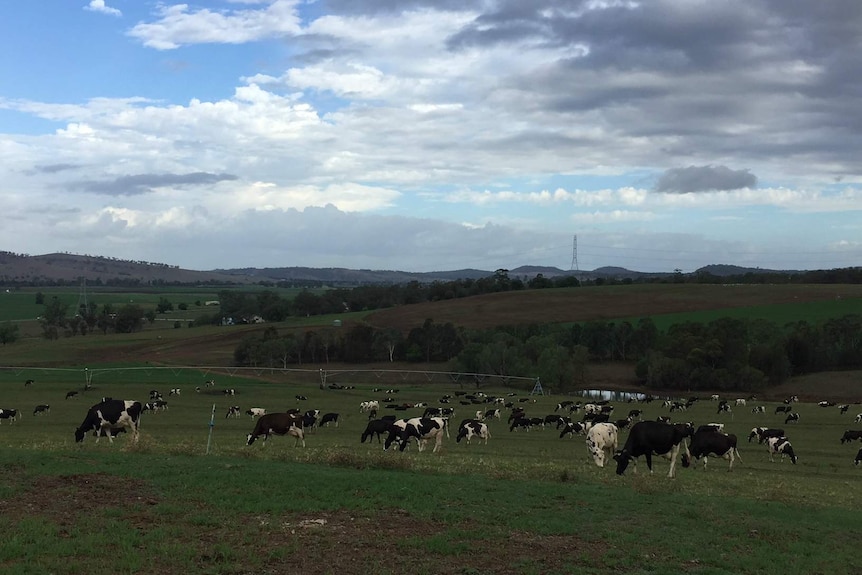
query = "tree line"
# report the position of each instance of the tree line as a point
(724, 354)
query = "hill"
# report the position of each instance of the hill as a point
(22, 269)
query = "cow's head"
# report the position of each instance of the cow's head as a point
(622, 458)
(250, 439)
(79, 435)
(686, 460)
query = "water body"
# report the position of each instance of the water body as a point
(608, 395)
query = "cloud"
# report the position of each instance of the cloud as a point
(51, 169)
(99, 6)
(704, 179)
(177, 25)
(145, 183)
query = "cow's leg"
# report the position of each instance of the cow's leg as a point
(674, 453)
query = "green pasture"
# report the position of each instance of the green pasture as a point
(463, 510)
(779, 314)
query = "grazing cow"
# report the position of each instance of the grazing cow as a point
(309, 419)
(111, 414)
(367, 406)
(792, 417)
(71, 394)
(209, 383)
(842, 409)
(740, 402)
(229, 391)
(278, 424)
(851, 435)
(573, 427)
(471, 428)
(635, 414)
(329, 418)
(858, 419)
(10, 414)
(724, 407)
(563, 405)
(233, 411)
(706, 442)
(520, 422)
(154, 394)
(160, 405)
(301, 398)
(783, 409)
(255, 412)
(29, 382)
(648, 437)
(858, 457)
(764, 433)
(791, 399)
(377, 427)
(758, 409)
(42, 408)
(492, 413)
(602, 442)
(422, 428)
(826, 403)
(780, 445)
(174, 391)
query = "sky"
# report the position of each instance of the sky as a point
(429, 135)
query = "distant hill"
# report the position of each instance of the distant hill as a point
(24, 269)
(52, 268)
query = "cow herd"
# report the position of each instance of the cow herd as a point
(621, 440)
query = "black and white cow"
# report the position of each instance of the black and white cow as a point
(851, 435)
(255, 412)
(780, 445)
(71, 394)
(764, 433)
(783, 409)
(719, 427)
(111, 414)
(572, 428)
(842, 409)
(758, 409)
(471, 428)
(278, 424)
(792, 417)
(706, 442)
(649, 437)
(858, 457)
(858, 418)
(328, 418)
(10, 414)
(423, 429)
(602, 442)
(378, 427)
(42, 409)
(233, 411)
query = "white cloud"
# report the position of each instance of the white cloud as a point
(99, 6)
(178, 25)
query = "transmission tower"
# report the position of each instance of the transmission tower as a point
(574, 266)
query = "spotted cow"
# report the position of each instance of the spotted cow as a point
(111, 414)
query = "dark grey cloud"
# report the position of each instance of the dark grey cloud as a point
(51, 169)
(704, 179)
(144, 183)
(370, 7)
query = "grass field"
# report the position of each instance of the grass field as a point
(524, 503)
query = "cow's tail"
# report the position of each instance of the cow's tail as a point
(736, 452)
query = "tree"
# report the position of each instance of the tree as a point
(9, 332)
(54, 318)
(40, 298)
(164, 305)
(129, 319)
